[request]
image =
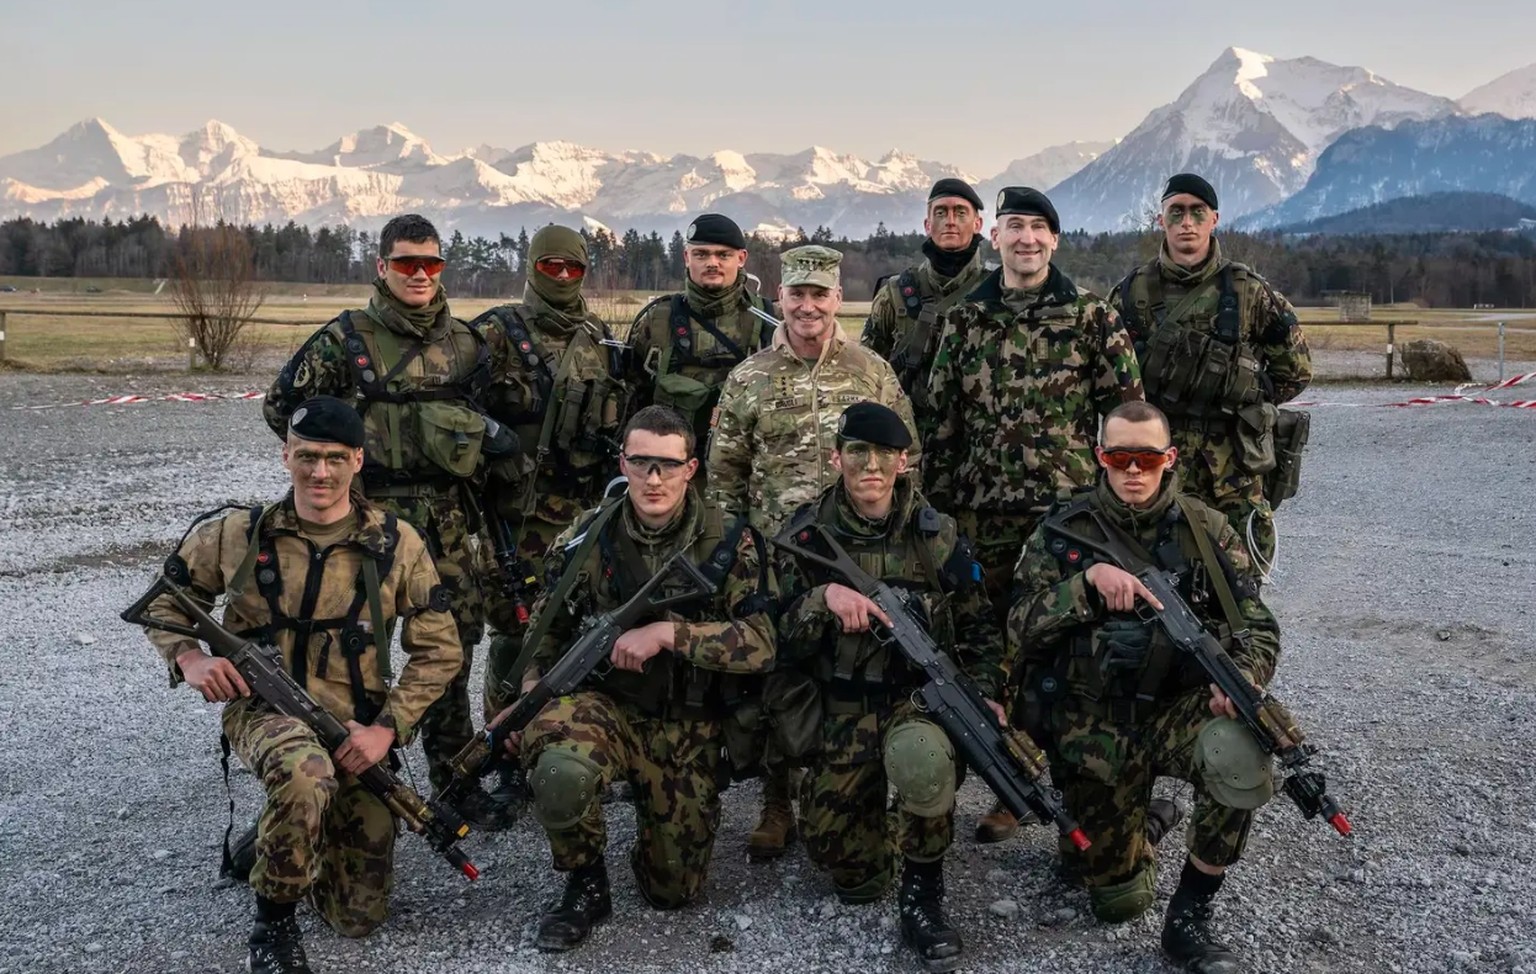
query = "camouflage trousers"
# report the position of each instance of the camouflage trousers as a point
(1209, 471)
(1105, 770)
(507, 632)
(843, 812)
(321, 835)
(998, 540)
(671, 766)
(443, 524)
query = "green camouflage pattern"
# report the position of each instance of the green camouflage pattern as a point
(771, 447)
(533, 544)
(998, 539)
(1022, 379)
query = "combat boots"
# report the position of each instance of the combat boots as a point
(999, 824)
(498, 810)
(242, 857)
(277, 947)
(924, 927)
(776, 829)
(1189, 940)
(586, 901)
(1162, 815)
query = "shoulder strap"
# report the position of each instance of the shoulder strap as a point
(1214, 568)
(242, 575)
(373, 567)
(511, 321)
(679, 335)
(1229, 316)
(922, 541)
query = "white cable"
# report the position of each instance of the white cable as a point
(1266, 566)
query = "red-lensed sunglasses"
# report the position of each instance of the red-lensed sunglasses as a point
(408, 266)
(1121, 458)
(559, 267)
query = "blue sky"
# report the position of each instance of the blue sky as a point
(977, 83)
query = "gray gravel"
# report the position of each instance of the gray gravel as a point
(1405, 590)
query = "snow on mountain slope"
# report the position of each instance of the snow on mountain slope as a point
(1512, 95)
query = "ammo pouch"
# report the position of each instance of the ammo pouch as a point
(588, 420)
(1255, 430)
(451, 435)
(1292, 428)
(1192, 372)
(792, 705)
(686, 395)
(741, 732)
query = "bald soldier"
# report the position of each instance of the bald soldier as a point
(776, 429)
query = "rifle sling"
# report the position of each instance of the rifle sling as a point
(1214, 569)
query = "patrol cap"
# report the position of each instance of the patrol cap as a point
(1196, 186)
(712, 228)
(1233, 768)
(950, 186)
(874, 423)
(1023, 199)
(326, 419)
(811, 264)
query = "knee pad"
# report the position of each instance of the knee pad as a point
(1125, 900)
(565, 785)
(920, 763)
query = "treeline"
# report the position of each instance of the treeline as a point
(1433, 269)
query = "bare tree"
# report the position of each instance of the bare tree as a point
(214, 286)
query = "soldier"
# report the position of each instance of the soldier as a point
(562, 391)
(1025, 368)
(321, 836)
(775, 429)
(903, 324)
(1115, 705)
(682, 346)
(1219, 350)
(873, 736)
(416, 375)
(655, 719)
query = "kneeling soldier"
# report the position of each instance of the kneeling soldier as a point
(324, 575)
(654, 718)
(1113, 702)
(872, 735)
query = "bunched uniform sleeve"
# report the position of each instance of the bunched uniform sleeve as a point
(743, 643)
(430, 640)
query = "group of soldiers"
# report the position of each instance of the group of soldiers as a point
(446, 475)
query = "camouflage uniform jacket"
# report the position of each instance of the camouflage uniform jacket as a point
(1020, 393)
(914, 548)
(776, 425)
(1161, 295)
(564, 396)
(731, 634)
(409, 592)
(1056, 621)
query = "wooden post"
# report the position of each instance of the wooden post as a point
(1391, 343)
(2, 336)
(192, 355)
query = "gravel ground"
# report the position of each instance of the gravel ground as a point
(1404, 590)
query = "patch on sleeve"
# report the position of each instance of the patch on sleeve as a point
(714, 417)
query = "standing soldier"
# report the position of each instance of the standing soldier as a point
(1220, 350)
(682, 346)
(1115, 704)
(903, 324)
(656, 717)
(872, 735)
(416, 375)
(775, 430)
(563, 394)
(296, 573)
(1026, 366)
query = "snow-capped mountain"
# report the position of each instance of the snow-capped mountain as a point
(1512, 95)
(1044, 169)
(1251, 124)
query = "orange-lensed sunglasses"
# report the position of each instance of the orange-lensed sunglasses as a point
(1121, 458)
(408, 266)
(558, 267)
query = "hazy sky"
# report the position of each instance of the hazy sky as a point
(975, 83)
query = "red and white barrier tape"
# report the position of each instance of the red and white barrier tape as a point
(130, 399)
(1457, 395)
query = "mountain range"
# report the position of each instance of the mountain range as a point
(1263, 130)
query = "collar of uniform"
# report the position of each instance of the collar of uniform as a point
(1135, 519)
(368, 533)
(839, 514)
(1189, 276)
(830, 349)
(713, 304)
(1057, 290)
(684, 525)
(542, 316)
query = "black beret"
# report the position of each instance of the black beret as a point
(874, 423)
(1022, 199)
(1188, 182)
(326, 419)
(712, 228)
(949, 186)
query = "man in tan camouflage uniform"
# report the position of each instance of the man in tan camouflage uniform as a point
(903, 325)
(872, 737)
(655, 719)
(775, 430)
(416, 375)
(562, 391)
(1026, 366)
(1220, 350)
(321, 836)
(682, 346)
(1115, 704)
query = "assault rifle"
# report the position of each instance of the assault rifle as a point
(262, 668)
(679, 581)
(1270, 723)
(519, 582)
(1011, 764)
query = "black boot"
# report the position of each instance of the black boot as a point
(584, 902)
(1163, 814)
(924, 927)
(1187, 935)
(494, 811)
(242, 857)
(276, 946)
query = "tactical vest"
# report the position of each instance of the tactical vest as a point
(911, 356)
(428, 430)
(1193, 369)
(691, 396)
